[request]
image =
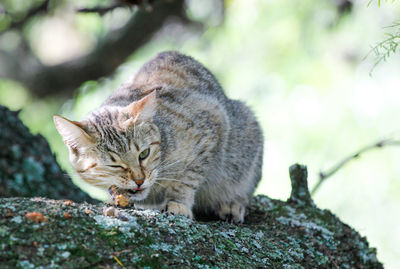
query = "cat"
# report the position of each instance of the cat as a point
(172, 140)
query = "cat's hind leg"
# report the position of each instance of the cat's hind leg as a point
(232, 212)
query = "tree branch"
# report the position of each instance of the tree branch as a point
(27, 166)
(117, 46)
(324, 175)
(101, 10)
(42, 233)
(43, 7)
(300, 193)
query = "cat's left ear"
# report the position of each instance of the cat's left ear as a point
(143, 109)
(73, 134)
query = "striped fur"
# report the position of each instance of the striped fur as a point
(205, 150)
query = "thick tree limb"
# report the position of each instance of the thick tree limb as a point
(41, 8)
(40, 232)
(117, 46)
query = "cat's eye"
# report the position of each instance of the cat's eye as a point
(143, 155)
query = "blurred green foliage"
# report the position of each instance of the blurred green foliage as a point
(300, 65)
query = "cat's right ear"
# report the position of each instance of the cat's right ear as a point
(141, 110)
(72, 133)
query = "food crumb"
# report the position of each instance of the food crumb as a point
(88, 211)
(122, 200)
(67, 215)
(9, 213)
(36, 217)
(120, 197)
(111, 212)
(67, 202)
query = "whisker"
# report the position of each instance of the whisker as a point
(96, 180)
(164, 165)
(163, 162)
(134, 131)
(99, 174)
(168, 179)
(160, 184)
(100, 184)
(168, 173)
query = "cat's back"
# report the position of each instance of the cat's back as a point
(174, 70)
(172, 74)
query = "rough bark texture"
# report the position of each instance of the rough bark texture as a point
(27, 166)
(275, 235)
(45, 233)
(298, 177)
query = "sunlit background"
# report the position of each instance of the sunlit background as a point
(300, 65)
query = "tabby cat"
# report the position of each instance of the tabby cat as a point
(172, 140)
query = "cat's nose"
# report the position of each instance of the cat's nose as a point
(139, 182)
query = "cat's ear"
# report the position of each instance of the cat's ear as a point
(72, 133)
(143, 109)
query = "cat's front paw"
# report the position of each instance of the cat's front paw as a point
(179, 209)
(232, 212)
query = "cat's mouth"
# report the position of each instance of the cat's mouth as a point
(136, 191)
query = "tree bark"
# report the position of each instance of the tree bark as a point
(27, 166)
(275, 235)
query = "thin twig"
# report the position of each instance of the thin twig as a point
(100, 10)
(384, 49)
(324, 175)
(389, 47)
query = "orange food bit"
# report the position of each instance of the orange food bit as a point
(36, 217)
(88, 211)
(67, 215)
(122, 200)
(67, 202)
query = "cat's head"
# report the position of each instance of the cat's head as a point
(116, 146)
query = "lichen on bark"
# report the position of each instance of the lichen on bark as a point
(275, 235)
